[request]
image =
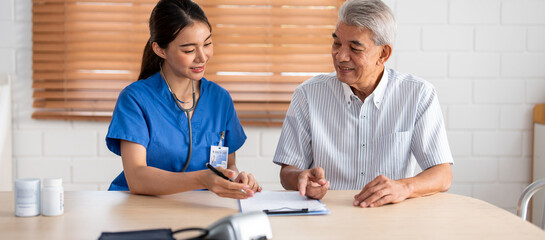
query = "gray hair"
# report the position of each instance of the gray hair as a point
(373, 15)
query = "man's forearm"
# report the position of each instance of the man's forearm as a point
(430, 181)
(289, 177)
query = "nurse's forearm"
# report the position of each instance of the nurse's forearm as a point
(231, 163)
(153, 181)
(143, 179)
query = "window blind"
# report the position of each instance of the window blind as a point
(86, 51)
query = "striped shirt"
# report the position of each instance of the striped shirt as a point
(353, 141)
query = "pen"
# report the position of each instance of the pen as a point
(220, 174)
(272, 212)
(217, 172)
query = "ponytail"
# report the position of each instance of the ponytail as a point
(150, 62)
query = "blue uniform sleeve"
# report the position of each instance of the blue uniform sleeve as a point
(128, 122)
(235, 136)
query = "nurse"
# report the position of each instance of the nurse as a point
(149, 127)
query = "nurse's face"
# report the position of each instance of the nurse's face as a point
(188, 53)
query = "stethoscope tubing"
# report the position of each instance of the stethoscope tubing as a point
(187, 111)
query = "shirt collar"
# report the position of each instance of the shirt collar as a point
(381, 88)
(376, 96)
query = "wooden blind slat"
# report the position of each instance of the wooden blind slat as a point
(48, 66)
(44, 56)
(70, 115)
(277, 59)
(47, 47)
(275, 11)
(107, 37)
(266, 50)
(256, 79)
(49, 18)
(78, 85)
(260, 67)
(77, 95)
(276, 20)
(48, 37)
(111, 55)
(261, 97)
(38, 9)
(205, 3)
(71, 76)
(101, 65)
(277, 40)
(274, 31)
(104, 46)
(260, 88)
(122, 27)
(47, 27)
(146, 2)
(253, 106)
(111, 8)
(88, 105)
(105, 17)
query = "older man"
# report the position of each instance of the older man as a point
(358, 127)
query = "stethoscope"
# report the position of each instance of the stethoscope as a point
(179, 104)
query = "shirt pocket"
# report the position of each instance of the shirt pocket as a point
(213, 139)
(393, 155)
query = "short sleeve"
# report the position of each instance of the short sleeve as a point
(429, 143)
(294, 145)
(235, 136)
(128, 122)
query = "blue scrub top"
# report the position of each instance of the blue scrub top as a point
(146, 113)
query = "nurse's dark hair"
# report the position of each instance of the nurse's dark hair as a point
(167, 19)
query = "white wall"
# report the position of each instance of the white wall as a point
(486, 58)
(6, 139)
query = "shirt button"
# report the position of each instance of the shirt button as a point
(361, 173)
(363, 145)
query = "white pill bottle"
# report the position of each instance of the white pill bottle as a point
(52, 197)
(27, 197)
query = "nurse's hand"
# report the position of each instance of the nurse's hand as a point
(248, 179)
(225, 188)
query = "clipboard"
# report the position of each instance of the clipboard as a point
(282, 203)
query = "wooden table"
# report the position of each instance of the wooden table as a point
(441, 216)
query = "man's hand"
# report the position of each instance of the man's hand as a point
(380, 191)
(312, 183)
(383, 190)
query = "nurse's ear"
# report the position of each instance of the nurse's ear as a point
(158, 50)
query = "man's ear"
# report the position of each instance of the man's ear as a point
(385, 54)
(158, 50)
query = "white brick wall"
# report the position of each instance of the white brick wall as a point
(474, 64)
(474, 12)
(486, 58)
(451, 38)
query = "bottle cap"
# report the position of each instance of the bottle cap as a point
(27, 182)
(52, 182)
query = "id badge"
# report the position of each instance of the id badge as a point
(218, 156)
